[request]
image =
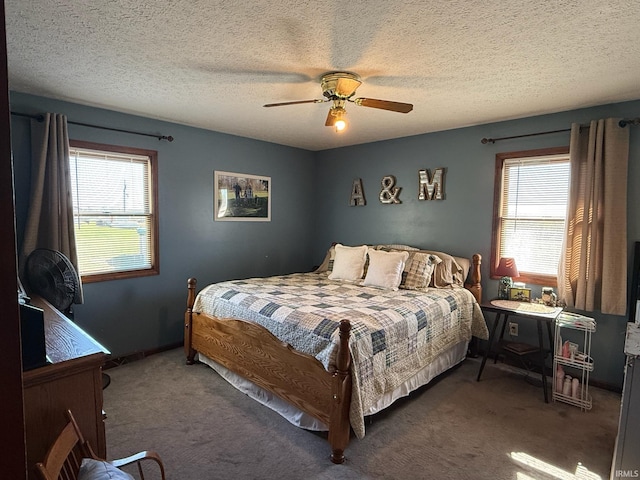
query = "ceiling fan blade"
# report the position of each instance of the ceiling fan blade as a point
(294, 103)
(331, 119)
(384, 105)
(345, 87)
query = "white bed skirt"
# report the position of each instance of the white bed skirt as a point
(448, 359)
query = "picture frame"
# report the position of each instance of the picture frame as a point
(240, 197)
(520, 294)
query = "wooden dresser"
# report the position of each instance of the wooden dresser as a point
(73, 381)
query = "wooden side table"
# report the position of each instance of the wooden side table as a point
(530, 311)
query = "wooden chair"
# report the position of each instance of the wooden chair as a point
(64, 458)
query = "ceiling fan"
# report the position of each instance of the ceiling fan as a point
(339, 88)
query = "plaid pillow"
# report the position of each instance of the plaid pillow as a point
(418, 270)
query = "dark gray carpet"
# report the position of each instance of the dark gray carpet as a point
(456, 428)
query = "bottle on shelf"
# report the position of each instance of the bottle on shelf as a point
(559, 378)
(575, 386)
(566, 386)
(572, 360)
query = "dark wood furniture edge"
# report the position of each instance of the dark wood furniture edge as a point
(12, 435)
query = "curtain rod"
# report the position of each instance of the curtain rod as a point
(40, 118)
(622, 123)
(494, 140)
(629, 121)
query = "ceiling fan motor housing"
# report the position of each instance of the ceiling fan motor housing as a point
(339, 85)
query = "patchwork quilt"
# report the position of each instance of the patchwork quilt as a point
(394, 334)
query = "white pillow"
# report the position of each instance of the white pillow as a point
(385, 269)
(91, 469)
(349, 262)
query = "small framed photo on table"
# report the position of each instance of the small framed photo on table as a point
(520, 294)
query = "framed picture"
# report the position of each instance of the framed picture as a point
(240, 197)
(520, 294)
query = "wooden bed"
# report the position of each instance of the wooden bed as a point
(251, 351)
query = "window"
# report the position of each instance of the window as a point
(530, 203)
(115, 210)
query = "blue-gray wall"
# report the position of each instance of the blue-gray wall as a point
(462, 223)
(145, 313)
(310, 210)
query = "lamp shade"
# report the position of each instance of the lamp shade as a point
(507, 268)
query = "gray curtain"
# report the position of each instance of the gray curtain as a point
(593, 268)
(50, 215)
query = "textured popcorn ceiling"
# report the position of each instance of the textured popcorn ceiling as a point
(213, 64)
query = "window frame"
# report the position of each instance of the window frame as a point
(534, 278)
(153, 207)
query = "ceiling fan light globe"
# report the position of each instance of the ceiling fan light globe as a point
(340, 125)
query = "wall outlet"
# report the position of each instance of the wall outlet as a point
(513, 329)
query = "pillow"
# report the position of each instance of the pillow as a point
(465, 264)
(418, 270)
(349, 262)
(91, 469)
(385, 269)
(446, 273)
(327, 263)
(395, 247)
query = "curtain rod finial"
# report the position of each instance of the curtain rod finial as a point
(629, 121)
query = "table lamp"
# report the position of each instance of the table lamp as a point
(507, 270)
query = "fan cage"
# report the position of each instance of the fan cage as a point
(51, 275)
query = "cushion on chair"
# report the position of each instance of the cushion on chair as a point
(91, 469)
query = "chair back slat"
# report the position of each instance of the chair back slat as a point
(75, 458)
(68, 473)
(72, 465)
(57, 455)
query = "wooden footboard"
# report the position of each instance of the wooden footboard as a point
(252, 352)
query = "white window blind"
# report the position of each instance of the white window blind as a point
(112, 211)
(533, 209)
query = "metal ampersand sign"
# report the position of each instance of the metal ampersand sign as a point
(389, 192)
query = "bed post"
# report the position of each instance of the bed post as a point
(191, 298)
(474, 286)
(340, 426)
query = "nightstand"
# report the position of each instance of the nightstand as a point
(528, 311)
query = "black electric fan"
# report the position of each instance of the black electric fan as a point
(51, 275)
